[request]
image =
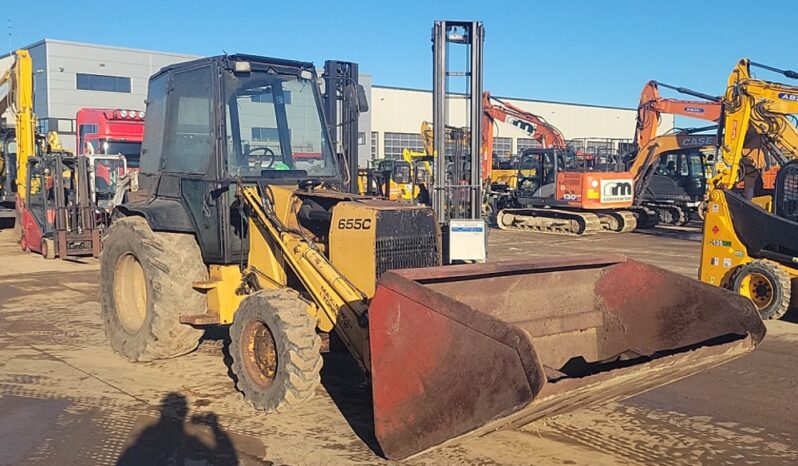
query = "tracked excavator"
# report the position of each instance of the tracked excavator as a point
(750, 239)
(669, 170)
(232, 232)
(555, 191)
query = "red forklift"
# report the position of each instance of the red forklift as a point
(61, 218)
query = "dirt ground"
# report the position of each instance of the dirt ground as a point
(66, 398)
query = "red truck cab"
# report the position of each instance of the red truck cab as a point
(111, 131)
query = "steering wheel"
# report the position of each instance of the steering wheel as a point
(265, 152)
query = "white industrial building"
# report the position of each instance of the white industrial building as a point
(71, 75)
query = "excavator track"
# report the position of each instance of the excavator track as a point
(620, 221)
(671, 214)
(551, 221)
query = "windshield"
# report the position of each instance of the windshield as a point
(274, 124)
(107, 173)
(131, 150)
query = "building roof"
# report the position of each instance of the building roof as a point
(100, 46)
(522, 99)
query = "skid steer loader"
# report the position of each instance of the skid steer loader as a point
(234, 230)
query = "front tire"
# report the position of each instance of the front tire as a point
(145, 285)
(767, 285)
(48, 248)
(275, 350)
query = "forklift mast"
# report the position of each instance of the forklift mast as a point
(344, 100)
(457, 186)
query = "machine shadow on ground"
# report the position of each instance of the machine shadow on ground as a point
(350, 390)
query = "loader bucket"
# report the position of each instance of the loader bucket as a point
(466, 349)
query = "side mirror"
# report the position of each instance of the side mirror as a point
(356, 93)
(362, 101)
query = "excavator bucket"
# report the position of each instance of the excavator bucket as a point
(463, 350)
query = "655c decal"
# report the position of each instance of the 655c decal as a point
(354, 224)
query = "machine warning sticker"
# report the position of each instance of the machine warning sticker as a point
(715, 208)
(738, 253)
(617, 190)
(727, 262)
(714, 261)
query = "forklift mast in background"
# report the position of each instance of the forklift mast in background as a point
(457, 179)
(344, 101)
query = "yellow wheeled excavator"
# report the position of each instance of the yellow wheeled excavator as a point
(750, 240)
(239, 232)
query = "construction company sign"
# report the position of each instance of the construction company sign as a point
(617, 190)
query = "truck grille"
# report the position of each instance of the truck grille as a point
(406, 253)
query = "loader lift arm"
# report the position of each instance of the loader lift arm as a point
(341, 304)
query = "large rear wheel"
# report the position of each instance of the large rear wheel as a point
(275, 350)
(767, 285)
(145, 285)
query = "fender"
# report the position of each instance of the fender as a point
(162, 214)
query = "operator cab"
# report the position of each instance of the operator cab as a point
(215, 121)
(679, 175)
(538, 168)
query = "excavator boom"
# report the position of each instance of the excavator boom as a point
(19, 82)
(652, 105)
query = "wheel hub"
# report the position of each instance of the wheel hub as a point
(760, 290)
(130, 293)
(260, 353)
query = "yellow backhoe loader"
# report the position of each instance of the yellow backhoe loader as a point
(232, 231)
(750, 240)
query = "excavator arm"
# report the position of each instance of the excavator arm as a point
(754, 108)
(535, 126)
(652, 105)
(18, 84)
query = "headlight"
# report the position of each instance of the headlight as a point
(123, 113)
(141, 114)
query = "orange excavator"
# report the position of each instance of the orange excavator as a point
(652, 105)
(669, 170)
(554, 190)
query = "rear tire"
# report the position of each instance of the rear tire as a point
(275, 350)
(767, 285)
(145, 285)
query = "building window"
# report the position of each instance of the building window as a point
(502, 146)
(98, 82)
(265, 134)
(522, 144)
(375, 138)
(267, 97)
(394, 143)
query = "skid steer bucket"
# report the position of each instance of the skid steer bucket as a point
(462, 350)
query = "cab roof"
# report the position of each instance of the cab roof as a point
(279, 65)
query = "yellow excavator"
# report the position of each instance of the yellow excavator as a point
(16, 94)
(750, 239)
(249, 236)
